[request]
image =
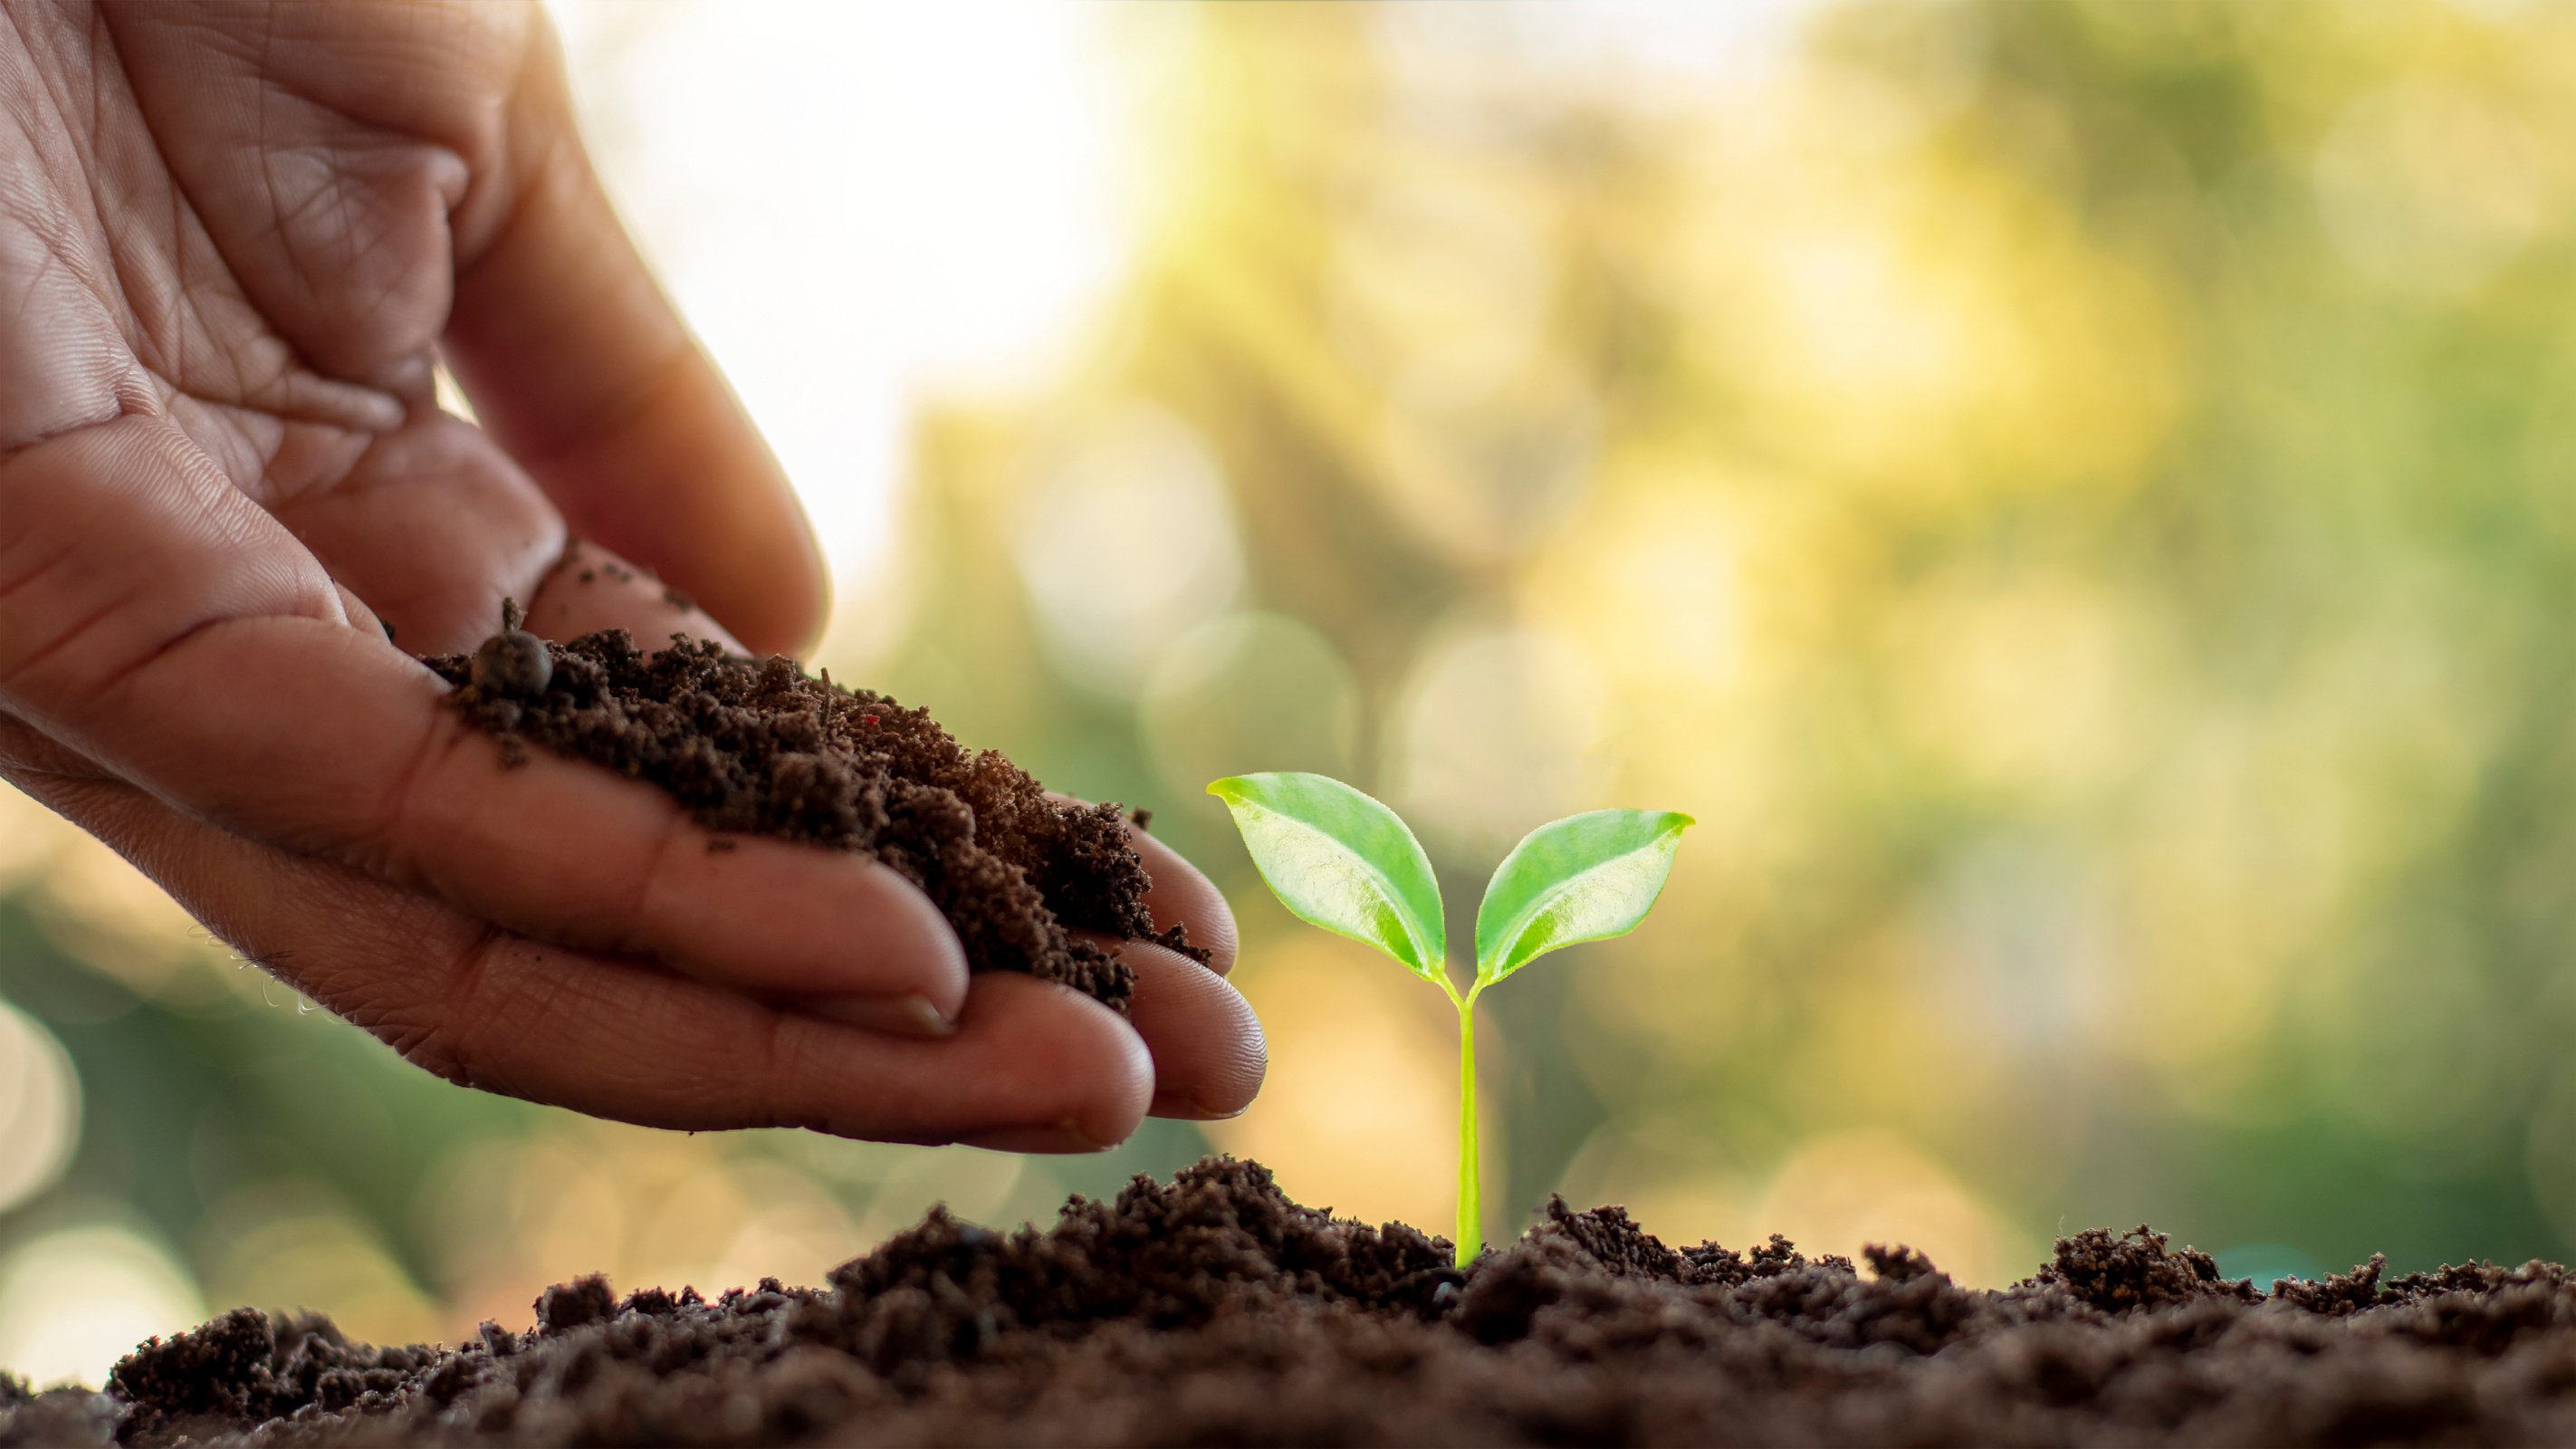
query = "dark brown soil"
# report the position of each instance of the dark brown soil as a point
(1215, 1311)
(758, 747)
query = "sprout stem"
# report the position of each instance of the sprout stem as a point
(1471, 1231)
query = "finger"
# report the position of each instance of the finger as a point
(1177, 894)
(1209, 1054)
(1180, 895)
(562, 849)
(591, 589)
(577, 364)
(1032, 1066)
(169, 629)
(434, 526)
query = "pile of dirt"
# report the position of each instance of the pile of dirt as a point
(758, 747)
(1215, 1311)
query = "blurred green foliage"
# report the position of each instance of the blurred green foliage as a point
(2127, 442)
(2074, 497)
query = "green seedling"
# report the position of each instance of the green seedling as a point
(1340, 860)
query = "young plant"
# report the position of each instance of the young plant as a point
(1340, 860)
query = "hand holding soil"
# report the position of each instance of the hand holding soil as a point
(235, 245)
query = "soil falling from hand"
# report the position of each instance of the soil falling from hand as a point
(757, 747)
(1215, 1311)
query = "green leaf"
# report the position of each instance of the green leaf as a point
(1584, 878)
(1342, 861)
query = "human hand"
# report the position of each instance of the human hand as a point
(234, 238)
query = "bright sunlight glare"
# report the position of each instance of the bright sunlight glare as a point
(856, 205)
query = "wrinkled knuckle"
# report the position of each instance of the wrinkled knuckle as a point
(439, 1033)
(781, 1055)
(786, 1058)
(650, 896)
(423, 1039)
(383, 842)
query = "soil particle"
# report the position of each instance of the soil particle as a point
(1213, 1310)
(758, 747)
(567, 1306)
(2138, 1270)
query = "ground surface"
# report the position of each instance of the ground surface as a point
(1215, 1311)
(756, 747)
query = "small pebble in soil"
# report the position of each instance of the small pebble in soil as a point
(514, 665)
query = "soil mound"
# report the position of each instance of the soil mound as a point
(757, 747)
(1212, 1310)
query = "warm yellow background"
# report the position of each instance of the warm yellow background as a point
(2079, 500)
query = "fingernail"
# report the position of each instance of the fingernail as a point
(1183, 1109)
(1063, 1137)
(901, 1015)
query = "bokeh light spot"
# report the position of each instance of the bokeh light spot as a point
(1494, 736)
(294, 1245)
(40, 1108)
(1843, 1191)
(2020, 942)
(116, 921)
(78, 1299)
(1128, 541)
(2431, 185)
(29, 836)
(1249, 692)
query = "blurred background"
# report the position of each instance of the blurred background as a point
(2076, 498)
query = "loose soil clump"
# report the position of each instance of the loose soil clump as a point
(1215, 1311)
(758, 747)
